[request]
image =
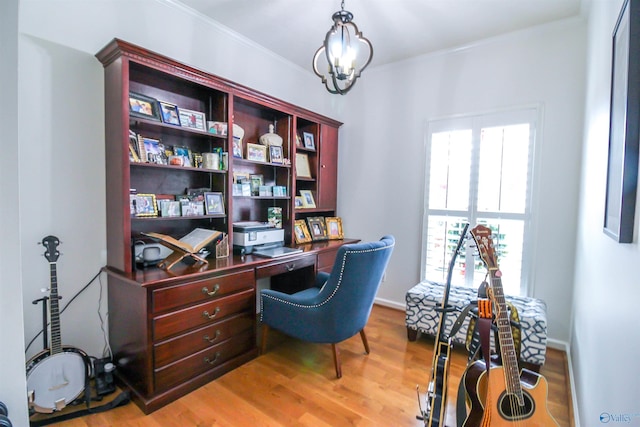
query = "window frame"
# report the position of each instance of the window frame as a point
(531, 114)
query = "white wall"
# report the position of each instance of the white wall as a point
(382, 148)
(61, 123)
(12, 378)
(61, 140)
(605, 335)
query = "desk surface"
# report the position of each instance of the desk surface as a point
(154, 275)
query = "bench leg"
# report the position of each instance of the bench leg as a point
(412, 334)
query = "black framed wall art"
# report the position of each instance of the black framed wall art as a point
(622, 163)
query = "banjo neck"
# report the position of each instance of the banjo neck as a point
(52, 254)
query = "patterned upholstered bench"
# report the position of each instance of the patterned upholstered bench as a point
(422, 317)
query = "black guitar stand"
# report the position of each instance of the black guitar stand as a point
(45, 419)
(45, 336)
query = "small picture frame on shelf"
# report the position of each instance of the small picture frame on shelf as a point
(238, 177)
(169, 113)
(257, 153)
(302, 166)
(309, 141)
(275, 154)
(143, 106)
(153, 150)
(176, 160)
(299, 200)
(237, 148)
(334, 228)
(185, 153)
(301, 232)
(257, 181)
(146, 205)
(213, 203)
(307, 199)
(192, 119)
(317, 227)
(298, 141)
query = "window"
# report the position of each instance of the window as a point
(479, 170)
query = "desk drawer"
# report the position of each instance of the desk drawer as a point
(203, 314)
(184, 345)
(200, 362)
(201, 290)
(285, 266)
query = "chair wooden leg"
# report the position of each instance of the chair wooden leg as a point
(336, 360)
(265, 332)
(364, 341)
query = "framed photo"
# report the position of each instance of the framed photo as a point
(145, 205)
(213, 203)
(169, 113)
(257, 181)
(239, 177)
(192, 119)
(302, 166)
(143, 106)
(237, 148)
(317, 227)
(275, 154)
(257, 153)
(309, 141)
(299, 202)
(334, 228)
(153, 150)
(307, 199)
(301, 232)
(624, 127)
(298, 141)
(185, 153)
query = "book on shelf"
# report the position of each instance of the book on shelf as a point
(191, 243)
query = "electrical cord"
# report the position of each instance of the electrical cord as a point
(70, 301)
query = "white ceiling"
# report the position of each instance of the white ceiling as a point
(397, 29)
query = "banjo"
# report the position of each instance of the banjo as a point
(55, 376)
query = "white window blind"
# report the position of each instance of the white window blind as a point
(479, 170)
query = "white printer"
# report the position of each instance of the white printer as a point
(250, 235)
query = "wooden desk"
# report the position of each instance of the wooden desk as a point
(174, 331)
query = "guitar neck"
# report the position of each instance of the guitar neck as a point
(56, 342)
(507, 347)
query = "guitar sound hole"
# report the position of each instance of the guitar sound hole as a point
(511, 410)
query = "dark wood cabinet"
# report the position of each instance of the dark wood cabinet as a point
(172, 332)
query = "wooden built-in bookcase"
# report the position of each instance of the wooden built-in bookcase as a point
(173, 331)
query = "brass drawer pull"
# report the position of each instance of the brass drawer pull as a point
(216, 288)
(290, 267)
(211, 316)
(214, 339)
(215, 359)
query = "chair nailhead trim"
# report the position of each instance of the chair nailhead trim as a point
(344, 258)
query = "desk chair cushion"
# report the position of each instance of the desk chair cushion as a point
(340, 304)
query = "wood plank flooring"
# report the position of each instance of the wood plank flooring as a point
(294, 384)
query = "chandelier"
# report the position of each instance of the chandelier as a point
(343, 54)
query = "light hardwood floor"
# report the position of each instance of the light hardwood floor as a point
(294, 384)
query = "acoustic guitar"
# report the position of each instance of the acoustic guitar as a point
(501, 395)
(436, 399)
(55, 376)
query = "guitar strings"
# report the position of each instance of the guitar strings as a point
(64, 308)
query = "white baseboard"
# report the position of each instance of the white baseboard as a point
(390, 304)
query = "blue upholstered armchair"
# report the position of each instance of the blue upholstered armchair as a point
(340, 304)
